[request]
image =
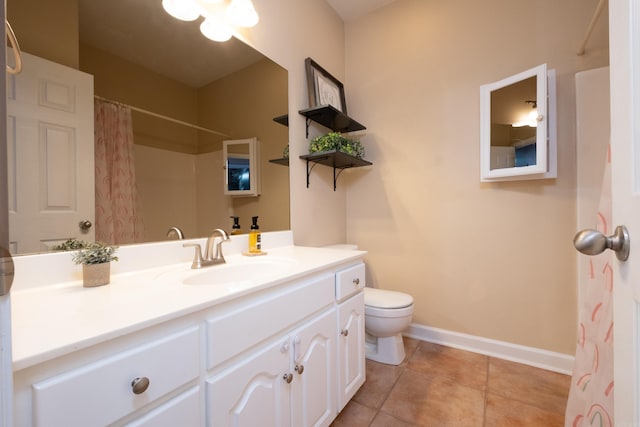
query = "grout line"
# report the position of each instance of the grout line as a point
(486, 393)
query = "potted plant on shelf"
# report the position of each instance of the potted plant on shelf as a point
(96, 263)
(335, 141)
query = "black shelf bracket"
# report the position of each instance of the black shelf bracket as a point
(313, 165)
(334, 159)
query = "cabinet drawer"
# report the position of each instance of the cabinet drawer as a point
(236, 331)
(101, 392)
(349, 281)
(183, 410)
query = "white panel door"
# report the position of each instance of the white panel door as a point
(313, 389)
(625, 174)
(50, 146)
(351, 350)
(254, 392)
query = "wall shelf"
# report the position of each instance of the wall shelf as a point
(338, 160)
(330, 117)
(284, 161)
(283, 120)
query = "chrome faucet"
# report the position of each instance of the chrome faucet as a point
(209, 258)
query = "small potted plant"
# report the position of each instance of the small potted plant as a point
(336, 141)
(96, 263)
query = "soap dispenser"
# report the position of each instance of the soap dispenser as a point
(235, 228)
(254, 237)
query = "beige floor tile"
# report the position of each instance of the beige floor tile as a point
(354, 415)
(427, 400)
(502, 412)
(460, 366)
(380, 381)
(538, 387)
(410, 347)
(386, 420)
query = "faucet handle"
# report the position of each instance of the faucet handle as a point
(197, 257)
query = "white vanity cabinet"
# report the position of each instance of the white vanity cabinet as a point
(286, 354)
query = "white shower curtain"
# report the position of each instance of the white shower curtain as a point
(118, 220)
(591, 395)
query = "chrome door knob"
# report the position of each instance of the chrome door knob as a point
(593, 242)
(85, 224)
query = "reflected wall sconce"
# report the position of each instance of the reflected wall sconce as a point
(220, 16)
(531, 119)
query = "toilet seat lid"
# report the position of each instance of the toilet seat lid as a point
(383, 298)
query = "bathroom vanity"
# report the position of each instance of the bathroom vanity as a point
(274, 340)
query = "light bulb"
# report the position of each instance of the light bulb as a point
(184, 10)
(242, 13)
(216, 30)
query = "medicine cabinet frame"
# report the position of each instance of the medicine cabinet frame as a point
(241, 157)
(545, 140)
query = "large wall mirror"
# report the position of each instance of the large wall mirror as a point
(206, 92)
(517, 127)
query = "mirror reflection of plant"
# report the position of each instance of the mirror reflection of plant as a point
(335, 141)
(71, 245)
(95, 253)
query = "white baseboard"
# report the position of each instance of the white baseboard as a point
(557, 362)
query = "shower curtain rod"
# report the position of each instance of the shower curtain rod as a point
(592, 24)
(160, 116)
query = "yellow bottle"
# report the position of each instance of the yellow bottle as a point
(255, 245)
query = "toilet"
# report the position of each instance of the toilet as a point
(386, 315)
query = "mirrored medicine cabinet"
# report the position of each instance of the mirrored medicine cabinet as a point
(518, 127)
(241, 167)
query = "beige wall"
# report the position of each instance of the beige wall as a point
(57, 24)
(243, 105)
(488, 259)
(290, 31)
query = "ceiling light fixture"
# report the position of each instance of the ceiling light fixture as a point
(218, 20)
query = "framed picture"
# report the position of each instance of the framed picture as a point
(323, 88)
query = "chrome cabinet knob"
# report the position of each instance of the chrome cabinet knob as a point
(344, 332)
(287, 378)
(299, 369)
(356, 281)
(140, 385)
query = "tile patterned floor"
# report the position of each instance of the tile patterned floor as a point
(441, 386)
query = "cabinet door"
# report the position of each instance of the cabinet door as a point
(351, 342)
(313, 389)
(254, 392)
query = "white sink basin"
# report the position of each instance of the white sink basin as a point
(237, 272)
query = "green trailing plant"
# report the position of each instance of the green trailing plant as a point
(335, 141)
(95, 253)
(71, 245)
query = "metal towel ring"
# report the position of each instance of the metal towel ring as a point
(13, 41)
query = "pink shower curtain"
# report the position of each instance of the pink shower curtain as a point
(591, 394)
(118, 220)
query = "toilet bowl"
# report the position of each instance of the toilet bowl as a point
(386, 315)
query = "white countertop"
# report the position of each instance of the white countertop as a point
(51, 320)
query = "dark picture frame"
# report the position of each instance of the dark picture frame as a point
(323, 88)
